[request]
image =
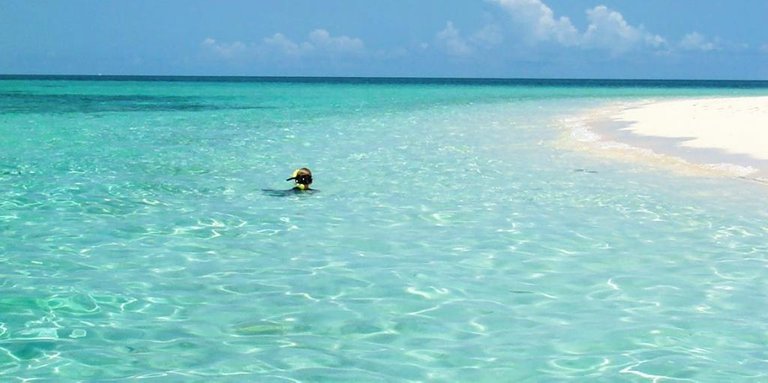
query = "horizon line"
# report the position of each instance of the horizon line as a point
(316, 77)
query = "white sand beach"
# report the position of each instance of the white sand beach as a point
(726, 135)
(734, 125)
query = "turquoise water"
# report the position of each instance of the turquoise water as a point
(452, 239)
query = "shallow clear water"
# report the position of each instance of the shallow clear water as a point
(452, 238)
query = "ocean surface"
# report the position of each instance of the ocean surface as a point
(144, 235)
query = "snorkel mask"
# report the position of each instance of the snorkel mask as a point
(302, 177)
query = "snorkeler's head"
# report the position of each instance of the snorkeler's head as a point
(302, 177)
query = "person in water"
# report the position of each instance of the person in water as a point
(302, 177)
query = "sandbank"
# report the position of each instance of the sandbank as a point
(728, 135)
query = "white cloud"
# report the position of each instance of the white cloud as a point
(450, 40)
(225, 50)
(609, 30)
(540, 22)
(285, 45)
(319, 42)
(695, 41)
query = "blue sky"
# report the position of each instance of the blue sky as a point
(687, 39)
